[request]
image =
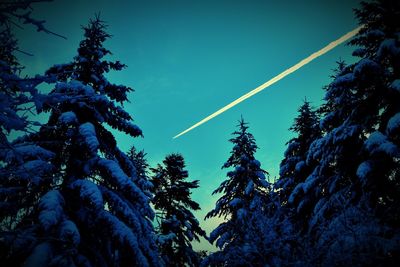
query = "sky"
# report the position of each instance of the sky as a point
(186, 59)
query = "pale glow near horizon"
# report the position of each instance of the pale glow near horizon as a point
(275, 79)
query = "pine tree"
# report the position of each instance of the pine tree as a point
(24, 167)
(244, 200)
(19, 95)
(89, 209)
(142, 170)
(293, 168)
(289, 219)
(378, 82)
(177, 225)
(354, 188)
(11, 94)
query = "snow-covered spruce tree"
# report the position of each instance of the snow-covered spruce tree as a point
(354, 189)
(18, 95)
(378, 78)
(12, 92)
(177, 226)
(293, 168)
(138, 158)
(244, 200)
(90, 210)
(332, 157)
(24, 166)
(287, 223)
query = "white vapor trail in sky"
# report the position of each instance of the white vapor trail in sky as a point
(275, 79)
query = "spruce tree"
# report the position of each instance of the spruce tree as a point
(88, 209)
(354, 188)
(19, 95)
(293, 168)
(24, 166)
(331, 184)
(378, 83)
(177, 225)
(243, 204)
(12, 93)
(287, 223)
(139, 161)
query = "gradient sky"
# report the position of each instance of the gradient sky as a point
(186, 59)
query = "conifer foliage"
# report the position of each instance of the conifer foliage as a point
(290, 218)
(18, 95)
(351, 197)
(70, 197)
(293, 168)
(87, 207)
(177, 225)
(138, 158)
(244, 195)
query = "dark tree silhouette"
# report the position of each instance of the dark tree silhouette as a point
(244, 195)
(177, 225)
(86, 206)
(352, 194)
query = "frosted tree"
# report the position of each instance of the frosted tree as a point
(378, 82)
(354, 188)
(19, 98)
(377, 76)
(293, 168)
(12, 98)
(19, 95)
(138, 158)
(288, 220)
(244, 200)
(90, 209)
(177, 225)
(24, 166)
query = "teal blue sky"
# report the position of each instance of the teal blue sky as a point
(186, 59)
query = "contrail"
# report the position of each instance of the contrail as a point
(278, 77)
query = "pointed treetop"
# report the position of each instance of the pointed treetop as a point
(243, 125)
